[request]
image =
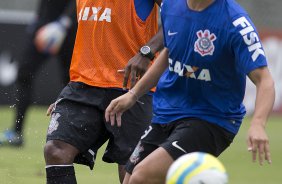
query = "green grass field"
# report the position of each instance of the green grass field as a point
(26, 165)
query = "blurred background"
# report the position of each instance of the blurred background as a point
(16, 14)
(26, 165)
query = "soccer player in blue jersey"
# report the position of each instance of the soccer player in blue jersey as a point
(210, 48)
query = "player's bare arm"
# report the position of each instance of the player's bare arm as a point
(139, 64)
(116, 108)
(257, 140)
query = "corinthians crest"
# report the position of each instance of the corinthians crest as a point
(53, 123)
(204, 44)
(134, 158)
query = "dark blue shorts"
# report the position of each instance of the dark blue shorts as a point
(78, 119)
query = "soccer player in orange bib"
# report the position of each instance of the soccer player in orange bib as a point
(115, 44)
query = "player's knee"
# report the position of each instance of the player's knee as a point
(139, 176)
(55, 155)
(52, 153)
(137, 179)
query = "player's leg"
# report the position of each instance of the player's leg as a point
(74, 127)
(58, 152)
(153, 169)
(126, 178)
(72, 130)
(59, 158)
(124, 139)
(186, 136)
(153, 136)
(29, 62)
(121, 172)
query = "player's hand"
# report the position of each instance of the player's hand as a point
(50, 109)
(50, 37)
(135, 69)
(258, 143)
(117, 106)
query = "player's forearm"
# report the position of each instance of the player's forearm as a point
(156, 42)
(152, 76)
(264, 100)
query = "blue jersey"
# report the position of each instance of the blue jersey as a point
(210, 54)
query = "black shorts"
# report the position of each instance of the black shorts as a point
(181, 137)
(78, 119)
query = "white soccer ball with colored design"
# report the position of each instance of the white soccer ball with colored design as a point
(197, 168)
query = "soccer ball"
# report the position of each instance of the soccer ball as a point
(197, 168)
